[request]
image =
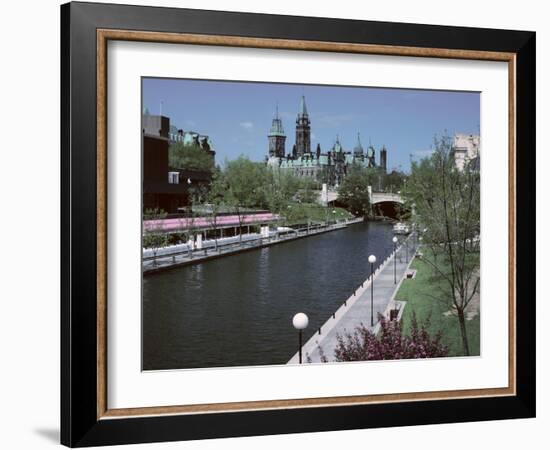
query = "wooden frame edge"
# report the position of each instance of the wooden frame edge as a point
(103, 36)
(291, 44)
(210, 408)
(101, 223)
(512, 199)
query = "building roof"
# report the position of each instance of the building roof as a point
(156, 126)
(277, 125)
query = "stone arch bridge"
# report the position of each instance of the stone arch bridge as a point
(375, 197)
(384, 203)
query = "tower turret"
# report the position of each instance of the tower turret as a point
(277, 137)
(371, 156)
(303, 130)
(383, 159)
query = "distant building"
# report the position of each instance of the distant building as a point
(303, 131)
(165, 188)
(191, 138)
(384, 159)
(327, 167)
(466, 150)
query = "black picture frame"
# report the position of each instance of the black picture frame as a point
(80, 425)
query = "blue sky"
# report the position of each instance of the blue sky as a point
(237, 115)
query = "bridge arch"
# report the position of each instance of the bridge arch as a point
(385, 197)
(387, 204)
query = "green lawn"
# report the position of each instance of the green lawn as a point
(424, 295)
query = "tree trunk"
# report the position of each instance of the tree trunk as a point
(215, 232)
(462, 322)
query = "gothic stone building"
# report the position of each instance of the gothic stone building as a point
(327, 167)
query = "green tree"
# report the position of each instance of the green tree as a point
(197, 193)
(306, 193)
(154, 236)
(354, 190)
(295, 213)
(190, 157)
(393, 181)
(447, 204)
(281, 187)
(216, 200)
(246, 186)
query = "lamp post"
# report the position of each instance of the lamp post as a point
(372, 260)
(300, 321)
(394, 240)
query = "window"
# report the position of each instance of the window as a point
(173, 177)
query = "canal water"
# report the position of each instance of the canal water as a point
(237, 310)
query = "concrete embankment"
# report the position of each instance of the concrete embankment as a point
(231, 247)
(356, 309)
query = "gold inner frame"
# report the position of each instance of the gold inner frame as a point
(104, 35)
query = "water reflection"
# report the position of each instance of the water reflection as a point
(237, 310)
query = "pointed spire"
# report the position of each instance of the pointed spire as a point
(276, 124)
(358, 147)
(337, 146)
(303, 107)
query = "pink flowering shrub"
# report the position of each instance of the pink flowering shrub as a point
(390, 343)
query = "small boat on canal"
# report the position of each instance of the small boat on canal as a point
(401, 228)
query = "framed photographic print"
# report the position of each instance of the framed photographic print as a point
(277, 224)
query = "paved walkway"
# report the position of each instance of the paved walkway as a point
(357, 308)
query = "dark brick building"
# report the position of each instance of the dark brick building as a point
(165, 188)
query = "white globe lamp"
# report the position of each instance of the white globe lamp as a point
(300, 321)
